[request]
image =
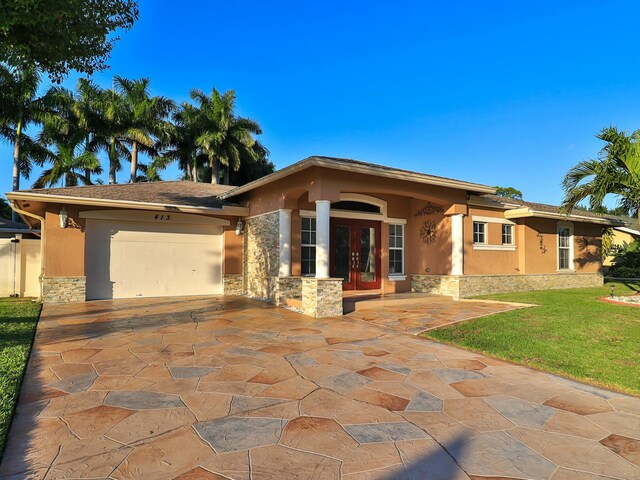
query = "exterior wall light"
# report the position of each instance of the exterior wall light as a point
(239, 227)
(63, 218)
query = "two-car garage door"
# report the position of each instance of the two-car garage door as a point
(126, 259)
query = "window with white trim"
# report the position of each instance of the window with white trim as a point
(507, 234)
(479, 232)
(308, 246)
(396, 249)
(564, 247)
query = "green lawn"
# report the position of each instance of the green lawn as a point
(570, 333)
(18, 318)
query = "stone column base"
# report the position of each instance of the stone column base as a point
(63, 289)
(232, 284)
(283, 288)
(322, 297)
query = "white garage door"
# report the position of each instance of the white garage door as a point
(132, 259)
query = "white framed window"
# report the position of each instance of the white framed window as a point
(565, 246)
(308, 246)
(507, 234)
(479, 232)
(396, 249)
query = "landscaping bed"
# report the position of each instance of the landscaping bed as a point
(18, 319)
(570, 332)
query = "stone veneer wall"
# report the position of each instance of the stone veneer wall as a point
(473, 285)
(63, 289)
(282, 288)
(322, 297)
(261, 255)
(232, 284)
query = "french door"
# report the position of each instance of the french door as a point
(355, 253)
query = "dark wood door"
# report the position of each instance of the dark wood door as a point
(355, 253)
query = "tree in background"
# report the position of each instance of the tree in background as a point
(145, 115)
(59, 36)
(67, 143)
(225, 138)
(509, 192)
(178, 143)
(615, 171)
(5, 208)
(20, 107)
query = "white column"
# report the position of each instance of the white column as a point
(457, 244)
(323, 208)
(285, 242)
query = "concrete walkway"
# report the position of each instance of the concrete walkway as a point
(211, 388)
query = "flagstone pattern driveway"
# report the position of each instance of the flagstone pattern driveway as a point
(226, 387)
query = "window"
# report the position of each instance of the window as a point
(479, 232)
(308, 246)
(507, 234)
(396, 249)
(564, 247)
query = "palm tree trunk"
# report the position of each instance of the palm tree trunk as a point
(226, 175)
(134, 162)
(16, 164)
(215, 172)
(112, 163)
(194, 171)
(87, 171)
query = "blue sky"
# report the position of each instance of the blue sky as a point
(496, 92)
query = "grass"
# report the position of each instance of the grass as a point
(18, 319)
(570, 333)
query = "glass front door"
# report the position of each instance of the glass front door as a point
(355, 253)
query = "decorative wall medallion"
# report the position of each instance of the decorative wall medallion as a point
(429, 209)
(429, 232)
(543, 248)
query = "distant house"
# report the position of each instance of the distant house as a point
(310, 232)
(623, 235)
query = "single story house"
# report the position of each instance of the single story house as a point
(311, 231)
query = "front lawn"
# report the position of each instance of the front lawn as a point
(18, 318)
(570, 333)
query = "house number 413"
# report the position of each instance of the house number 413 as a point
(162, 217)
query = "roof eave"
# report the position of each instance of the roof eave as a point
(529, 212)
(355, 168)
(232, 210)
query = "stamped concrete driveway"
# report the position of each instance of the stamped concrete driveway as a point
(211, 388)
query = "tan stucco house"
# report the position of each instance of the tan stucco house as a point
(307, 233)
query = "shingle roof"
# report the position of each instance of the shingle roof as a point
(6, 224)
(183, 193)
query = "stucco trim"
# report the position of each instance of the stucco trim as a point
(356, 216)
(367, 169)
(147, 217)
(528, 212)
(69, 200)
(484, 246)
(503, 221)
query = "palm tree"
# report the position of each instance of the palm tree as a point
(178, 142)
(70, 160)
(145, 117)
(615, 171)
(223, 137)
(67, 142)
(20, 106)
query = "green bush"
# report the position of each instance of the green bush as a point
(627, 262)
(624, 272)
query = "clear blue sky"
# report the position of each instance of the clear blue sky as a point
(496, 92)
